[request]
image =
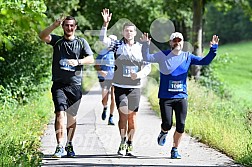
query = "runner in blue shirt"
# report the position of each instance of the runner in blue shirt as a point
(105, 69)
(173, 66)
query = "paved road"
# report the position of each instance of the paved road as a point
(96, 143)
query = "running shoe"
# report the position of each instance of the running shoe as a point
(59, 152)
(104, 113)
(122, 149)
(110, 121)
(175, 154)
(129, 150)
(161, 138)
(69, 150)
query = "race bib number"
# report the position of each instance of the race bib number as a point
(175, 86)
(129, 69)
(65, 66)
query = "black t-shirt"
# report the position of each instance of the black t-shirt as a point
(63, 49)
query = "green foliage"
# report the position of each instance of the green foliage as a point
(237, 72)
(23, 60)
(57, 8)
(210, 77)
(25, 67)
(135, 11)
(224, 119)
(21, 128)
(227, 5)
(13, 14)
(220, 23)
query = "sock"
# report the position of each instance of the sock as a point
(59, 145)
(174, 148)
(123, 140)
(162, 132)
(110, 115)
(129, 142)
(69, 143)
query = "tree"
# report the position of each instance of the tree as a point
(198, 10)
(198, 6)
(23, 15)
(21, 52)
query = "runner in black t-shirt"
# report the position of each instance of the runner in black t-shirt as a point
(70, 53)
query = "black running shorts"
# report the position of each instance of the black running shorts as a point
(127, 97)
(66, 97)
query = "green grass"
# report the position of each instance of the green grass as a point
(21, 129)
(22, 126)
(237, 74)
(219, 123)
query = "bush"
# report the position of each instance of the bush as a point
(25, 66)
(21, 128)
(210, 79)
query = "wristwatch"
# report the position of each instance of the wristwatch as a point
(79, 62)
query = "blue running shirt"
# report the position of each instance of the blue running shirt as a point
(174, 69)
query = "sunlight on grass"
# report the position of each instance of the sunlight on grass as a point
(219, 123)
(21, 131)
(237, 74)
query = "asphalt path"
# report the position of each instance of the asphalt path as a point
(96, 143)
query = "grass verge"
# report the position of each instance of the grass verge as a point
(219, 123)
(21, 130)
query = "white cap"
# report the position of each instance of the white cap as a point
(113, 37)
(176, 35)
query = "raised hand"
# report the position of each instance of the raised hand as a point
(106, 15)
(59, 21)
(215, 40)
(145, 38)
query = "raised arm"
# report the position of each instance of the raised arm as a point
(215, 41)
(211, 54)
(45, 34)
(153, 58)
(106, 19)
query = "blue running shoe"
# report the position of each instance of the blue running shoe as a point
(104, 113)
(161, 138)
(110, 121)
(70, 151)
(175, 154)
(59, 152)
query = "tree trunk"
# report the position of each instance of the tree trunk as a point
(197, 34)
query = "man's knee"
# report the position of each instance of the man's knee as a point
(180, 128)
(166, 126)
